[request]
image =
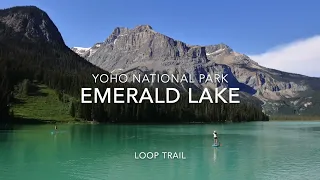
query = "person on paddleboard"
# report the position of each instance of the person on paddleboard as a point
(215, 137)
(55, 127)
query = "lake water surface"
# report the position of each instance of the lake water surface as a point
(260, 150)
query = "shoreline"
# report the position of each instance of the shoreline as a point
(294, 120)
(25, 121)
(48, 122)
(29, 121)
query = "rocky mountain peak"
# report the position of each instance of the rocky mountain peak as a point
(120, 30)
(142, 50)
(143, 28)
(31, 23)
(115, 33)
(221, 46)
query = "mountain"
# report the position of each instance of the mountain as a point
(33, 56)
(142, 50)
(32, 48)
(30, 23)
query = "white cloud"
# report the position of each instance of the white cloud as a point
(302, 57)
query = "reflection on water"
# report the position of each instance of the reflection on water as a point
(266, 150)
(215, 154)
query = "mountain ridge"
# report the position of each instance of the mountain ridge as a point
(33, 53)
(143, 50)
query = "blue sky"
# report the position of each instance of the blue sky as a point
(253, 27)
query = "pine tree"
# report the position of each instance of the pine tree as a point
(72, 110)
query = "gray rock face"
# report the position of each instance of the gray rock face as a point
(32, 23)
(142, 50)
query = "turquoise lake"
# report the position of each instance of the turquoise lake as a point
(258, 150)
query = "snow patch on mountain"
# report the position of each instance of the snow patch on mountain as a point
(86, 52)
(80, 50)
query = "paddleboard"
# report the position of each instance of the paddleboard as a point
(216, 145)
(56, 132)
